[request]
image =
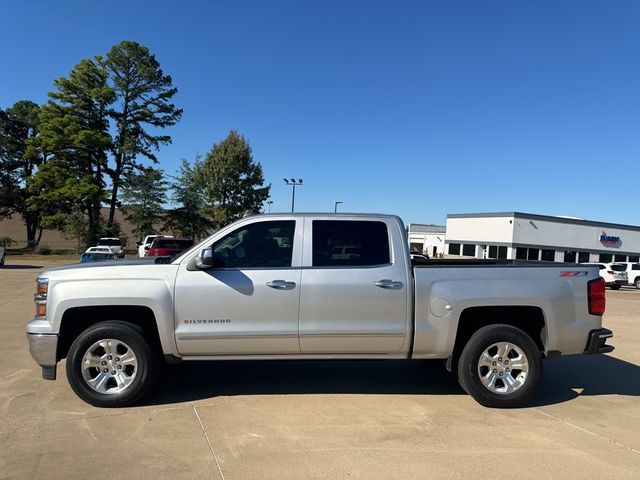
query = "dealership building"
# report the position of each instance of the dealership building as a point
(525, 236)
(427, 239)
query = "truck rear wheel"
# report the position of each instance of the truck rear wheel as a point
(110, 364)
(500, 367)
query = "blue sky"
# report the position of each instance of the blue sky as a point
(419, 108)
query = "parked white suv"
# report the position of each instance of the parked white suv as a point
(614, 274)
(114, 243)
(633, 273)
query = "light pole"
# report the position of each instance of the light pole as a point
(269, 203)
(293, 183)
(335, 207)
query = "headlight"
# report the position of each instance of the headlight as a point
(42, 289)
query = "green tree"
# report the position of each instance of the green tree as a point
(188, 218)
(232, 181)
(18, 125)
(143, 196)
(74, 130)
(143, 105)
(61, 200)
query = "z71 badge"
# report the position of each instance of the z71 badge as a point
(580, 273)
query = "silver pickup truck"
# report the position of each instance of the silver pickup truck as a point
(313, 286)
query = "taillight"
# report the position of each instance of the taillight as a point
(611, 272)
(597, 302)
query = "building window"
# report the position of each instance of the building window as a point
(620, 258)
(569, 256)
(583, 257)
(502, 252)
(468, 250)
(533, 254)
(521, 253)
(454, 249)
(634, 259)
(416, 247)
(548, 255)
(493, 251)
(605, 257)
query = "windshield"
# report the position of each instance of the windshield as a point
(616, 267)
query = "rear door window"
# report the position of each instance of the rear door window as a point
(346, 243)
(618, 268)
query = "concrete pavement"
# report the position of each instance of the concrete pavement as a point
(325, 420)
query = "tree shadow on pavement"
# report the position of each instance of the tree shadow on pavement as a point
(21, 267)
(594, 375)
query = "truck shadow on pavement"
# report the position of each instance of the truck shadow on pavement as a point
(564, 379)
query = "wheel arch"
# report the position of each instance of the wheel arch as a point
(529, 319)
(75, 320)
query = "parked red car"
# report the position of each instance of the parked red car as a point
(163, 246)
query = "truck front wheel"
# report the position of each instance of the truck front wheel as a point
(500, 367)
(110, 364)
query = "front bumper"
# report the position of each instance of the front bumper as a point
(596, 342)
(44, 348)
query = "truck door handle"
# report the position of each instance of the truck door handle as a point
(281, 285)
(389, 284)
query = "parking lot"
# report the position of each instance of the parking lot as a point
(280, 420)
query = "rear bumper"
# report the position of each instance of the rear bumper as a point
(44, 349)
(596, 342)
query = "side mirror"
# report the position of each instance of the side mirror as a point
(207, 259)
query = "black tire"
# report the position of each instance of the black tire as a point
(615, 287)
(140, 378)
(469, 367)
(637, 283)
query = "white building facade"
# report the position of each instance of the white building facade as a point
(525, 236)
(427, 239)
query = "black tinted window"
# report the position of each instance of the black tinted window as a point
(548, 255)
(469, 250)
(172, 243)
(262, 244)
(583, 257)
(349, 243)
(618, 268)
(454, 249)
(110, 242)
